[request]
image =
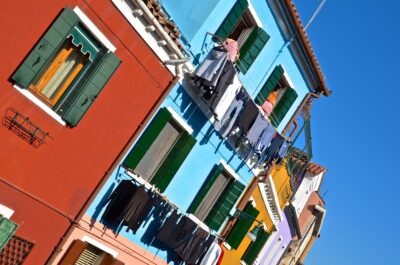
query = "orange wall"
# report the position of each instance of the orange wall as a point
(66, 170)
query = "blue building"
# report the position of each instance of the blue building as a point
(184, 154)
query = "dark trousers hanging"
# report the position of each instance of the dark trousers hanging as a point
(135, 206)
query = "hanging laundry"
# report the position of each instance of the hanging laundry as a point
(213, 94)
(212, 255)
(259, 125)
(180, 235)
(247, 117)
(225, 125)
(139, 217)
(202, 250)
(282, 152)
(117, 202)
(265, 139)
(212, 66)
(167, 229)
(134, 208)
(232, 47)
(221, 103)
(193, 249)
(274, 147)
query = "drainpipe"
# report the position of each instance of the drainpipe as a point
(301, 106)
(323, 213)
(296, 126)
(110, 170)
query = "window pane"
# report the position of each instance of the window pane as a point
(62, 71)
(158, 151)
(212, 196)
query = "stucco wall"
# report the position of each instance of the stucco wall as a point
(275, 52)
(65, 171)
(233, 256)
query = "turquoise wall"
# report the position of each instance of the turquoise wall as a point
(195, 19)
(209, 150)
(275, 52)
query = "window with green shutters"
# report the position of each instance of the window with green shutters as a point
(242, 225)
(161, 150)
(67, 68)
(241, 26)
(233, 18)
(269, 85)
(283, 106)
(255, 247)
(216, 197)
(252, 48)
(285, 95)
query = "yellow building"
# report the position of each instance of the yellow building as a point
(265, 205)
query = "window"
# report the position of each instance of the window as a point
(277, 90)
(242, 225)
(7, 230)
(84, 253)
(216, 197)
(255, 247)
(68, 67)
(242, 25)
(161, 149)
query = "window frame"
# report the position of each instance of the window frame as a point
(35, 97)
(151, 132)
(179, 128)
(228, 172)
(216, 219)
(249, 17)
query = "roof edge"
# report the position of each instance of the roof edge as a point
(307, 44)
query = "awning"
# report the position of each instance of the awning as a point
(7, 230)
(80, 38)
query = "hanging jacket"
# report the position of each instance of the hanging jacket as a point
(118, 201)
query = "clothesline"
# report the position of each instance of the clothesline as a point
(141, 181)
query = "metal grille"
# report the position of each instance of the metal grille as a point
(16, 251)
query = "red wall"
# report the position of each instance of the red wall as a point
(65, 171)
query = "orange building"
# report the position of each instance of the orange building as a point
(77, 85)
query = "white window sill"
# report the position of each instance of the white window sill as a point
(40, 104)
(6, 212)
(100, 246)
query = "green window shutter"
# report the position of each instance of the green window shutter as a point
(45, 48)
(271, 83)
(252, 48)
(173, 161)
(79, 101)
(147, 138)
(232, 19)
(215, 172)
(221, 209)
(283, 106)
(242, 226)
(7, 230)
(255, 247)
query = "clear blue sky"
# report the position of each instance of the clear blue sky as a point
(355, 134)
